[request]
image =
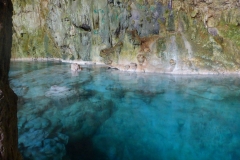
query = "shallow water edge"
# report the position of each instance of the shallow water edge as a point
(122, 67)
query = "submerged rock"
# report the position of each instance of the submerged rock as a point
(59, 92)
(38, 145)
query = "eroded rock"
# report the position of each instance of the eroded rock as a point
(75, 67)
(117, 32)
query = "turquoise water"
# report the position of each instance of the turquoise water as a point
(106, 114)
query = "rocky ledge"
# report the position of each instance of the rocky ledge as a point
(166, 36)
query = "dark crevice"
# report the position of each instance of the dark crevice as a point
(84, 149)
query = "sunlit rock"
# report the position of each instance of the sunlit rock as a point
(141, 58)
(140, 68)
(211, 22)
(75, 67)
(172, 62)
(126, 67)
(121, 32)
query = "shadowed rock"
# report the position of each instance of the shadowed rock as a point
(85, 27)
(8, 99)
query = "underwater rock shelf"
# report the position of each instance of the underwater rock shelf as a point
(107, 114)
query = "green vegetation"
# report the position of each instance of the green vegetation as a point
(231, 32)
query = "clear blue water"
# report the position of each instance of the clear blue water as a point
(110, 115)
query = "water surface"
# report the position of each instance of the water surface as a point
(110, 115)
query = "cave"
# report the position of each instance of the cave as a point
(119, 79)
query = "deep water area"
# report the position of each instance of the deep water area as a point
(104, 114)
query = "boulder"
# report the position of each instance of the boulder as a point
(133, 66)
(141, 58)
(75, 67)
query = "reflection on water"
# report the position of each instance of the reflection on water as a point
(106, 114)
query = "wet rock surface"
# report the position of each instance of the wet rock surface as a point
(75, 67)
(117, 33)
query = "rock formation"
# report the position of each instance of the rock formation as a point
(8, 99)
(75, 67)
(59, 92)
(191, 36)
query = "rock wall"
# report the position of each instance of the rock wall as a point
(8, 100)
(167, 36)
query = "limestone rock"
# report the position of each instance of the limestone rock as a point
(211, 22)
(194, 13)
(126, 67)
(172, 62)
(141, 58)
(75, 67)
(133, 66)
(119, 32)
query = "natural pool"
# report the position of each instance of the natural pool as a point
(110, 115)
